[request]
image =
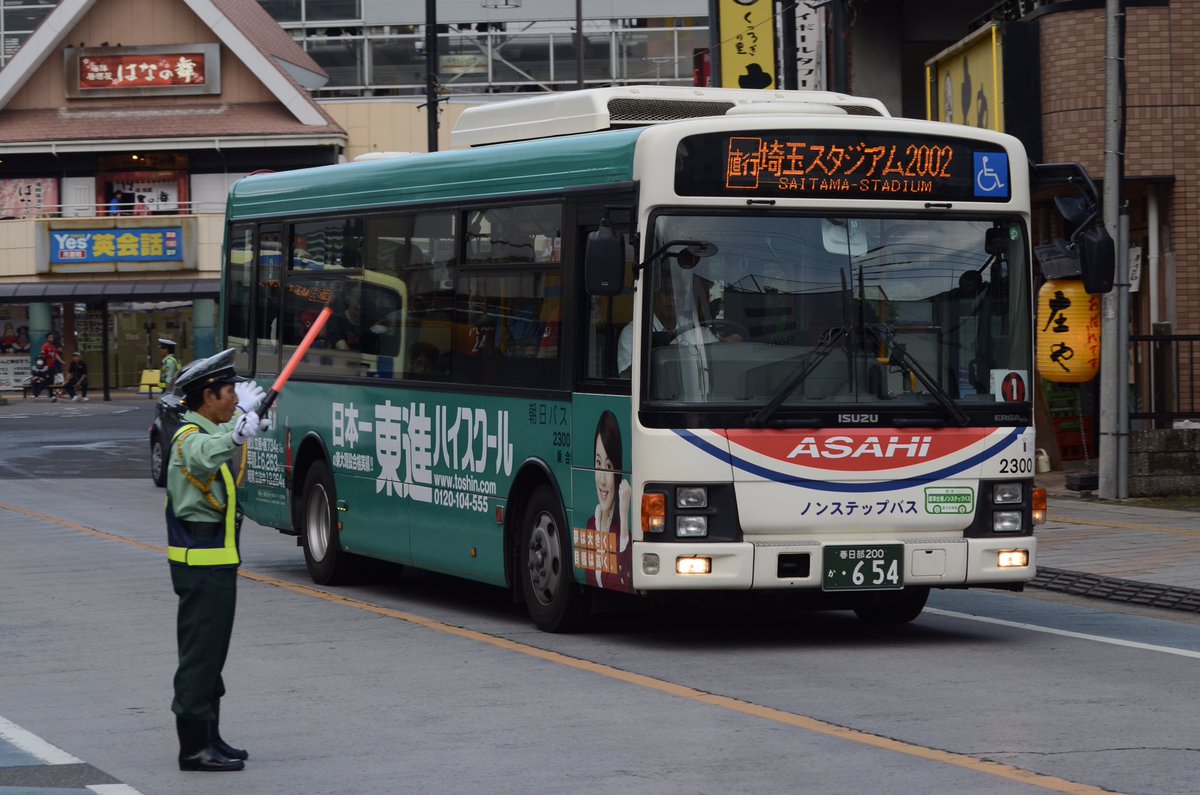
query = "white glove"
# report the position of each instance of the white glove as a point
(247, 426)
(265, 423)
(249, 395)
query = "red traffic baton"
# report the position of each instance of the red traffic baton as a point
(293, 362)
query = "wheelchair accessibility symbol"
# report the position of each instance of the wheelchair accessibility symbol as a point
(991, 174)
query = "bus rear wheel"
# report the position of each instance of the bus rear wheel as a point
(898, 608)
(555, 602)
(327, 563)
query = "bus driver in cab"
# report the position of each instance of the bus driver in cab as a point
(676, 318)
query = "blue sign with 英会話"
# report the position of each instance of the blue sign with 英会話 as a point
(71, 246)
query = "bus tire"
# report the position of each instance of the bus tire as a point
(556, 603)
(327, 563)
(898, 608)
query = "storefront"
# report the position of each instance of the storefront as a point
(115, 161)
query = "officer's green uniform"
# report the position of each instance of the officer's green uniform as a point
(203, 526)
(167, 371)
(202, 504)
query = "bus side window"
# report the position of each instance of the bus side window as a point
(239, 278)
(344, 329)
(418, 250)
(507, 328)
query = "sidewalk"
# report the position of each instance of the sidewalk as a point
(14, 398)
(1125, 550)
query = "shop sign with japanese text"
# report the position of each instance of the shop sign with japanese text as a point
(115, 71)
(71, 246)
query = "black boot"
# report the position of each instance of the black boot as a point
(214, 736)
(195, 751)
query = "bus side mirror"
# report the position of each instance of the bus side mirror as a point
(1097, 258)
(604, 261)
(995, 240)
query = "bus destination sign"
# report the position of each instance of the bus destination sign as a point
(841, 164)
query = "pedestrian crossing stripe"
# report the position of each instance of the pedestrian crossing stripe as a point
(35, 746)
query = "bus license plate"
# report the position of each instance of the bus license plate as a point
(876, 567)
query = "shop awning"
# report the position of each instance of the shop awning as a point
(66, 292)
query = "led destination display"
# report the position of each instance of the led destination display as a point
(841, 164)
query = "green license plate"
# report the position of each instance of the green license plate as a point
(867, 567)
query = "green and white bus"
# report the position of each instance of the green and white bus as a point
(651, 339)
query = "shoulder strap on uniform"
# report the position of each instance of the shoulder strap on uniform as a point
(204, 487)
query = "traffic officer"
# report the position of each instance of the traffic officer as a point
(203, 526)
(169, 369)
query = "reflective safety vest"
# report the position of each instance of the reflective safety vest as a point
(192, 543)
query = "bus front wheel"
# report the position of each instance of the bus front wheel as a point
(555, 602)
(327, 563)
(899, 608)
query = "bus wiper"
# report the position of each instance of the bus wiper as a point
(898, 356)
(760, 416)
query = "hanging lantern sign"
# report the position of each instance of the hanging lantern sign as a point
(1068, 332)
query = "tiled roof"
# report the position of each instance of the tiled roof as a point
(265, 33)
(243, 27)
(131, 121)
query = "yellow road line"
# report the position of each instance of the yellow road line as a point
(974, 764)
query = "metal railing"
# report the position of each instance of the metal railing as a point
(31, 212)
(1166, 377)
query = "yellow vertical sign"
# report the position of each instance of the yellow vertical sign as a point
(747, 30)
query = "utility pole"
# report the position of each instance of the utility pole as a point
(579, 43)
(1113, 378)
(787, 44)
(841, 58)
(431, 69)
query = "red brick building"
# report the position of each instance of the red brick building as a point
(1162, 159)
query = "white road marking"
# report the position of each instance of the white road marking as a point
(1132, 644)
(34, 745)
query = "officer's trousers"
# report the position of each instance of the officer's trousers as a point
(207, 600)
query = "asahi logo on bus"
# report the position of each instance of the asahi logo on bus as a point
(856, 450)
(872, 446)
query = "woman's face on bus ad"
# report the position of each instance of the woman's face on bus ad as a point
(606, 480)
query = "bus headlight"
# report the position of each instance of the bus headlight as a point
(691, 497)
(691, 526)
(1006, 493)
(1012, 558)
(693, 565)
(1006, 522)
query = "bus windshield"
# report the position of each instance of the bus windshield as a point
(810, 311)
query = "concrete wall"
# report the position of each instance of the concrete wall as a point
(390, 125)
